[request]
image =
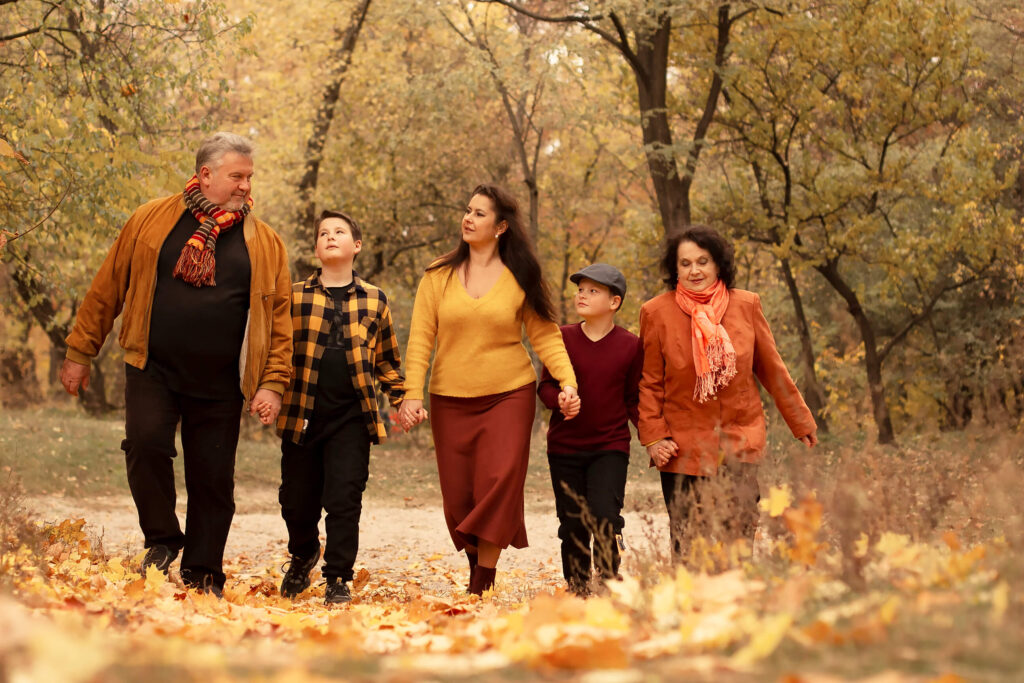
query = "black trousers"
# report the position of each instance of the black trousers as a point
(589, 492)
(722, 506)
(209, 437)
(328, 475)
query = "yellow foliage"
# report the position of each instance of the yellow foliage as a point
(804, 522)
(779, 498)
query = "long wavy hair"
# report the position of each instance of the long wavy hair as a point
(514, 248)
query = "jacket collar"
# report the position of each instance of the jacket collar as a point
(314, 281)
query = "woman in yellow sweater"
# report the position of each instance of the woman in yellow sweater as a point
(471, 307)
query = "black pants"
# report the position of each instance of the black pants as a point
(209, 437)
(589, 493)
(723, 506)
(328, 475)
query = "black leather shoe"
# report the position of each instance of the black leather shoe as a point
(296, 576)
(159, 556)
(337, 592)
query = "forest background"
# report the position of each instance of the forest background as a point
(864, 156)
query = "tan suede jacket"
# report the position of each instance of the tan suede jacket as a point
(127, 281)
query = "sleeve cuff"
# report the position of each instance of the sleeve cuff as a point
(78, 357)
(276, 387)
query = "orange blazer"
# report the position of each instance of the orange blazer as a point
(732, 423)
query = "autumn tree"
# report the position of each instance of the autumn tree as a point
(642, 33)
(97, 97)
(857, 152)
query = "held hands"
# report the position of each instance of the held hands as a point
(74, 376)
(662, 451)
(267, 404)
(569, 402)
(411, 413)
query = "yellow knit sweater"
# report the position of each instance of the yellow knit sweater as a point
(479, 342)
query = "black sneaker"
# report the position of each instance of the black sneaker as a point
(337, 592)
(159, 556)
(296, 575)
(208, 586)
(201, 582)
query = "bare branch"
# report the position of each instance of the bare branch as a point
(45, 218)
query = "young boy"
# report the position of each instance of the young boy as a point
(344, 340)
(589, 453)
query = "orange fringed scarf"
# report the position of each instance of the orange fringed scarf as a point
(197, 265)
(713, 354)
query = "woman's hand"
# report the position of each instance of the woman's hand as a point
(569, 402)
(411, 413)
(810, 440)
(662, 451)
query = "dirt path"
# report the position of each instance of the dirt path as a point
(408, 543)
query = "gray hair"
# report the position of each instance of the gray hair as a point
(219, 144)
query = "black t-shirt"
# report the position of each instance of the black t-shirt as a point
(336, 399)
(196, 333)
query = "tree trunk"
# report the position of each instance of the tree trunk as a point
(651, 72)
(341, 58)
(814, 392)
(872, 359)
(44, 312)
(18, 377)
(564, 279)
(650, 69)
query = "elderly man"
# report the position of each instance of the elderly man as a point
(204, 287)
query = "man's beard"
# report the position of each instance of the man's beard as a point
(234, 204)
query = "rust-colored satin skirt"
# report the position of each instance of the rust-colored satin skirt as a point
(483, 449)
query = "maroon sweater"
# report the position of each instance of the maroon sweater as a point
(608, 372)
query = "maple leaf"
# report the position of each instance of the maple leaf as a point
(155, 579)
(779, 498)
(361, 578)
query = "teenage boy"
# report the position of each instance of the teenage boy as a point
(344, 340)
(589, 454)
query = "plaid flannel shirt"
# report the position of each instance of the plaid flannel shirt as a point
(372, 353)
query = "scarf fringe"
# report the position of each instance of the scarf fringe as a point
(722, 368)
(196, 266)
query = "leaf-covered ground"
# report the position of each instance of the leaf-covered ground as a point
(872, 564)
(75, 613)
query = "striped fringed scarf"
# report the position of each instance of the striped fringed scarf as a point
(197, 265)
(714, 357)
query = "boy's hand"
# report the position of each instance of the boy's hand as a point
(411, 413)
(662, 451)
(267, 404)
(569, 402)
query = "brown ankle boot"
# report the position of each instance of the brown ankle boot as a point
(482, 579)
(472, 557)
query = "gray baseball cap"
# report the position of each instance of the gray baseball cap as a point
(604, 274)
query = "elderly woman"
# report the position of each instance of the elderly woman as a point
(701, 417)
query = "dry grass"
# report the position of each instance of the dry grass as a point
(956, 493)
